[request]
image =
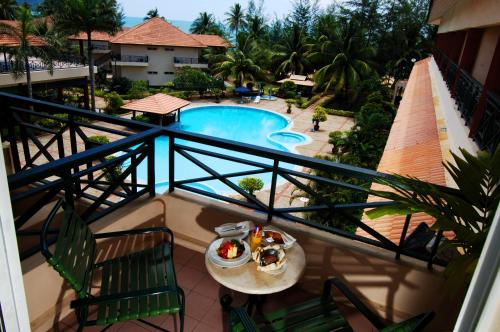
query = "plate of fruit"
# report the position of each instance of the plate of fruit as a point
(229, 252)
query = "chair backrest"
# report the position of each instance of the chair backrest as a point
(74, 252)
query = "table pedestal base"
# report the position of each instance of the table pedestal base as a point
(254, 302)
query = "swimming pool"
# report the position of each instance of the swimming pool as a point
(238, 123)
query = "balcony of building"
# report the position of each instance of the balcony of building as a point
(70, 69)
(46, 164)
(127, 60)
(191, 62)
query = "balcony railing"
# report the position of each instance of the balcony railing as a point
(189, 61)
(39, 65)
(132, 58)
(82, 174)
(479, 107)
(100, 47)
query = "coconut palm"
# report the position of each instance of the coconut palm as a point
(151, 14)
(87, 16)
(27, 45)
(256, 26)
(8, 9)
(348, 62)
(235, 18)
(292, 53)
(237, 63)
(204, 24)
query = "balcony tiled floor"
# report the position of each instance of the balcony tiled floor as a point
(203, 311)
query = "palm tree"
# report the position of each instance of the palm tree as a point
(28, 44)
(237, 63)
(8, 9)
(204, 24)
(292, 53)
(75, 16)
(348, 62)
(256, 26)
(235, 18)
(152, 13)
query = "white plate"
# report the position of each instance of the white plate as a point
(288, 240)
(222, 262)
(235, 234)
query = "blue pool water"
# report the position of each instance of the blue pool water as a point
(288, 138)
(242, 124)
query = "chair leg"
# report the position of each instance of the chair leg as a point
(152, 325)
(183, 307)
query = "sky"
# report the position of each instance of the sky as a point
(189, 9)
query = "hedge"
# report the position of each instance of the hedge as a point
(331, 111)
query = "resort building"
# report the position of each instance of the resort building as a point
(152, 51)
(87, 227)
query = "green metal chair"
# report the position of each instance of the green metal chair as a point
(133, 287)
(318, 315)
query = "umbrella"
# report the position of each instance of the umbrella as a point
(242, 89)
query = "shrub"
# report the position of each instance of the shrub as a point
(113, 170)
(143, 118)
(113, 102)
(120, 84)
(251, 184)
(100, 93)
(189, 79)
(287, 90)
(332, 111)
(311, 101)
(301, 102)
(138, 90)
(319, 115)
(98, 139)
(52, 123)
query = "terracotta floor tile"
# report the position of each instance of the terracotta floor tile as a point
(182, 255)
(197, 262)
(210, 288)
(216, 318)
(188, 278)
(198, 305)
(202, 327)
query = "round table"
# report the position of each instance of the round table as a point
(247, 279)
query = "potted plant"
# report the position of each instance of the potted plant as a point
(467, 213)
(289, 103)
(251, 184)
(319, 115)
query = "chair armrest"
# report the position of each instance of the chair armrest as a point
(370, 315)
(139, 231)
(240, 315)
(123, 296)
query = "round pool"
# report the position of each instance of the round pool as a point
(288, 137)
(238, 123)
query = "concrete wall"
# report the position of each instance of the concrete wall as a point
(160, 61)
(45, 76)
(395, 289)
(467, 14)
(485, 53)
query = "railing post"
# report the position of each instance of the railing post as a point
(403, 236)
(151, 168)
(434, 250)
(74, 148)
(274, 179)
(171, 163)
(133, 174)
(68, 187)
(12, 138)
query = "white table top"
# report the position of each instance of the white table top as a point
(247, 279)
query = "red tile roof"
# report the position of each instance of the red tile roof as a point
(8, 40)
(159, 103)
(157, 32)
(413, 148)
(98, 36)
(212, 40)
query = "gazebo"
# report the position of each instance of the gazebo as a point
(159, 105)
(300, 80)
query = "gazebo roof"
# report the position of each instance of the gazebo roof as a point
(298, 80)
(159, 103)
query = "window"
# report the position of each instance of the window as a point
(152, 72)
(152, 48)
(169, 73)
(169, 49)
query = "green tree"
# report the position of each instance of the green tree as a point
(236, 18)
(292, 53)
(113, 102)
(205, 24)
(304, 13)
(237, 63)
(138, 90)
(87, 16)
(189, 79)
(349, 62)
(151, 14)
(256, 26)
(29, 43)
(8, 9)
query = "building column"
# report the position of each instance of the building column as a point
(471, 48)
